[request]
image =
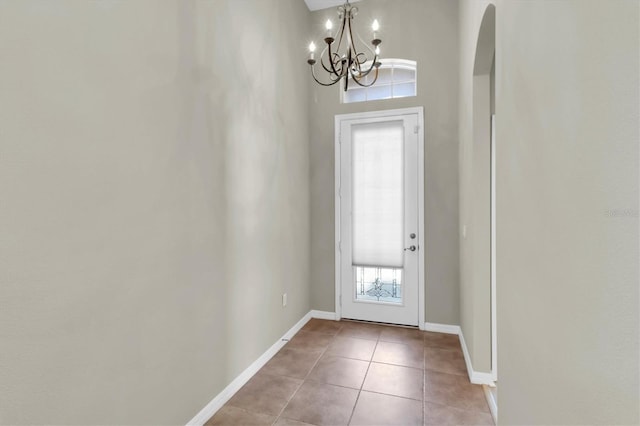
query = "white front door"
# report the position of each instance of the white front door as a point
(379, 230)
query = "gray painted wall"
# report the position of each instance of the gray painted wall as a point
(567, 84)
(154, 187)
(434, 45)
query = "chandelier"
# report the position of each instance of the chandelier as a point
(345, 60)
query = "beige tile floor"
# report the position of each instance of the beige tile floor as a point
(351, 373)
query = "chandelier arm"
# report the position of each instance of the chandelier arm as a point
(352, 43)
(373, 52)
(361, 74)
(344, 36)
(340, 71)
(346, 17)
(357, 65)
(335, 58)
(313, 74)
(333, 66)
(366, 85)
(333, 62)
(327, 69)
(341, 64)
(374, 64)
(342, 27)
(348, 70)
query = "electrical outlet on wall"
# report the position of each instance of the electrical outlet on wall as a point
(284, 300)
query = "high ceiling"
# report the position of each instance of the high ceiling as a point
(323, 4)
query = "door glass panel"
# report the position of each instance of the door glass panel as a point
(378, 284)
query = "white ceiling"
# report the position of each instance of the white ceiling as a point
(323, 4)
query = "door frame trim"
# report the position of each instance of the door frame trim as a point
(419, 111)
(494, 297)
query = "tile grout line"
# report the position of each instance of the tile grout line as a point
(353, 410)
(308, 373)
(391, 395)
(287, 403)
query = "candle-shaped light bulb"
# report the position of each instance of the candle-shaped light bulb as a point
(375, 27)
(312, 49)
(329, 26)
(377, 50)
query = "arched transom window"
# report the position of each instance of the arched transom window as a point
(397, 78)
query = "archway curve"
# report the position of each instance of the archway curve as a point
(486, 44)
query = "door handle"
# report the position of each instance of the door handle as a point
(411, 248)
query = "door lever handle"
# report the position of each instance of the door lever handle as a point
(411, 248)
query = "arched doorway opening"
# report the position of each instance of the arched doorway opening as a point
(483, 166)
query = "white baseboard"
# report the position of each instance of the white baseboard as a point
(216, 403)
(323, 315)
(442, 328)
(493, 404)
(475, 377)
